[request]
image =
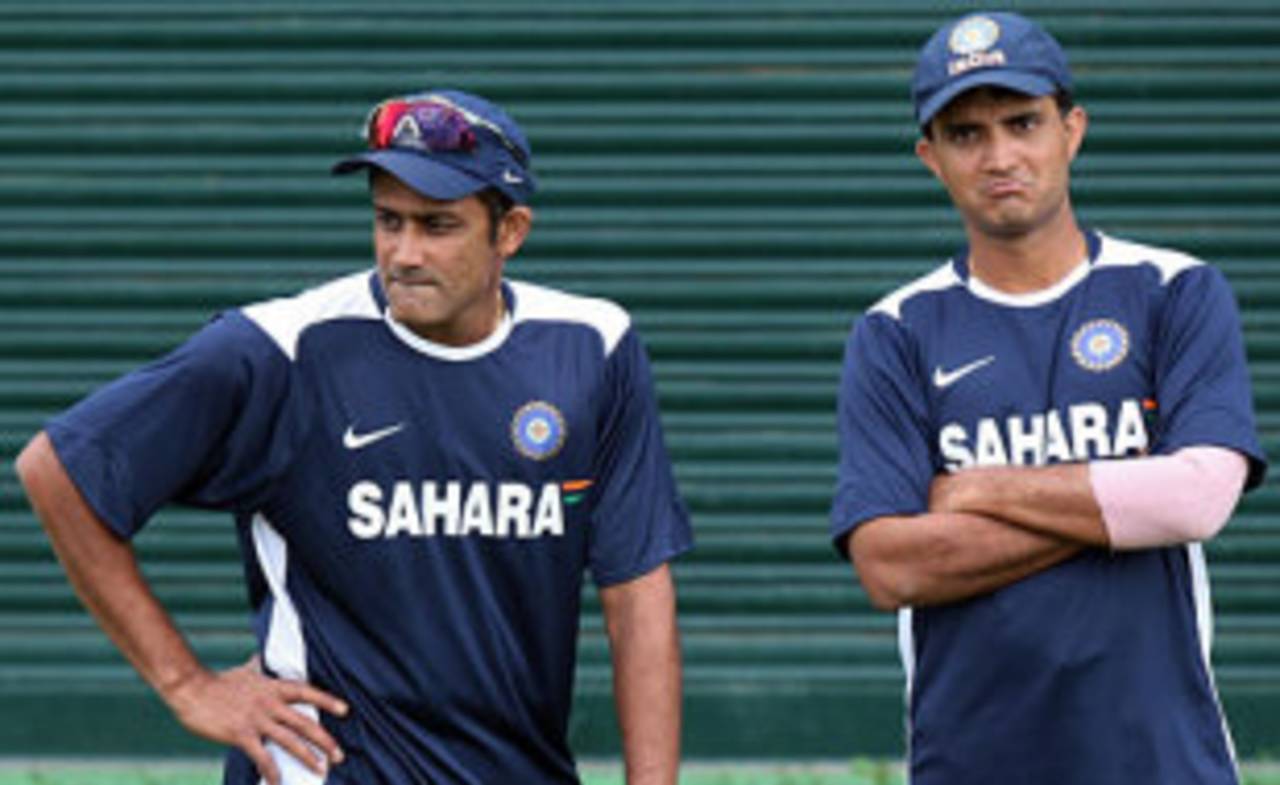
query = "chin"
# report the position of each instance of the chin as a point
(1010, 224)
(411, 316)
(1010, 229)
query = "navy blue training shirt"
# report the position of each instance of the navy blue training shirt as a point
(1095, 671)
(416, 519)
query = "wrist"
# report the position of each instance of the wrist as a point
(651, 778)
(176, 687)
(977, 491)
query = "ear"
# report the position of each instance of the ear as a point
(513, 230)
(926, 154)
(1076, 122)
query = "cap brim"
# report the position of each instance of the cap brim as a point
(424, 175)
(1020, 81)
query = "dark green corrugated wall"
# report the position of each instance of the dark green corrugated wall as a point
(738, 174)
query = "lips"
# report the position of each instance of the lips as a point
(999, 189)
(413, 281)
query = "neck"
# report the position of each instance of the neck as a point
(1027, 262)
(478, 325)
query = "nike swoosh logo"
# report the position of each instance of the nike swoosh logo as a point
(510, 177)
(943, 378)
(355, 441)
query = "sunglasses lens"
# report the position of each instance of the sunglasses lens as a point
(420, 125)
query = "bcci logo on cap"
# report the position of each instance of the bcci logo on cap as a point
(538, 430)
(972, 39)
(1100, 345)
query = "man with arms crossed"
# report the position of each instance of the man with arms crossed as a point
(423, 460)
(1035, 437)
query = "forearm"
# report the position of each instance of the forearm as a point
(640, 617)
(104, 573)
(1137, 502)
(239, 707)
(1050, 500)
(938, 558)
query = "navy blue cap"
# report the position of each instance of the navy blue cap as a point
(446, 144)
(987, 48)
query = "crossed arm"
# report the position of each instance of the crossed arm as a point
(970, 542)
(990, 526)
(239, 707)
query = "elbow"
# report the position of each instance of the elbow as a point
(882, 595)
(886, 588)
(1222, 474)
(29, 462)
(43, 479)
(1209, 520)
(885, 591)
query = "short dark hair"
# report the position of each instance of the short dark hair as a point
(1063, 98)
(498, 205)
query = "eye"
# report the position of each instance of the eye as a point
(961, 134)
(387, 220)
(1025, 123)
(440, 224)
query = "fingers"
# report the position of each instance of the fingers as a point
(248, 709)
(295, 731)
(301, 692)
(301, 728)
(289, 733)
(257, 753)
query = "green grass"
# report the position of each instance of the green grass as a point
(858, 772)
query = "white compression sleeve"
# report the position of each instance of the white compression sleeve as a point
(1168, 499)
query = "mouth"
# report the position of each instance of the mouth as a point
(412, 282)
(1003, 189)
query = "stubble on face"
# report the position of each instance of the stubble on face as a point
(1004, 159)
(437, 263)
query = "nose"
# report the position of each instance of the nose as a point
(410, 247)
(999, 153)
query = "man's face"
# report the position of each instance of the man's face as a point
(1005, 159)
(439, 265)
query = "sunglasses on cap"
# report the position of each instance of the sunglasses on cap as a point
(431, 124)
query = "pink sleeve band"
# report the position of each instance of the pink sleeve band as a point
(1168, 499)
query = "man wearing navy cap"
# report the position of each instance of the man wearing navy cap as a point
(423, 460)
(1035, 438)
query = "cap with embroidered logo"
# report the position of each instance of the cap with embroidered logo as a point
(988, 48)
(446, 144)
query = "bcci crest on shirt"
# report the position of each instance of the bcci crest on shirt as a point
(1100, 345)
(538, 430)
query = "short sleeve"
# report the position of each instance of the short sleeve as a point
(885, 462)
(1202, 376)
(205, 426)
(638, 521)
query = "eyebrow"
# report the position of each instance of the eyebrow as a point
(1016, 116)
(1023, 115)
(951, 126)
(434, 212)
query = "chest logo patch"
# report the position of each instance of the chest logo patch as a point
(538, 430)
(1100, 345)
(358, 441)
(943, 379)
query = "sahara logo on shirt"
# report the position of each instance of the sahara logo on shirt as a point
(1082, 432)
(454, 508)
